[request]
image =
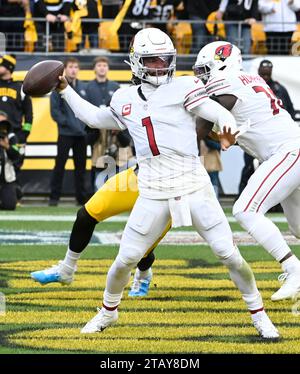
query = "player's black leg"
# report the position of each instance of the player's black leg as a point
(81, 234)
(82, 231)
(146, 262)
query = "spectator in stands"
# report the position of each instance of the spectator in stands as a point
(163, 10)
(9, 153)
(279, 34)
(265, 71)
(18, 108)
(198, 11)
(71, 135)
(89, 29)
(56, 12)
(245, 11)
(13, 30)
(110, 8)
(99, 92)
(213, 5)
(136, 10)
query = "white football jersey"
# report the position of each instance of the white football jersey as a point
(270, 127)
(164, 133)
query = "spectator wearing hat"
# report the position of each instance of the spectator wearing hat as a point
(18, 107)
(9, 154)
(265, 71)
(13, 101)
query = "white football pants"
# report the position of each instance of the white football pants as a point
(276, 180)
(146, 224)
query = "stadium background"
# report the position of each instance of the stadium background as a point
(41, 149)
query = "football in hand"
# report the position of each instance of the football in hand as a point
(43, 77)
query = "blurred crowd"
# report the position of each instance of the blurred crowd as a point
(256, 26)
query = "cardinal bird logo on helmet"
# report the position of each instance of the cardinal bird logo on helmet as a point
(223, 52)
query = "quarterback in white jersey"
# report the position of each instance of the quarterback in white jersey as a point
(160, 115)
(269, 134)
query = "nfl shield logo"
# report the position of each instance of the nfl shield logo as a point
(126, 110)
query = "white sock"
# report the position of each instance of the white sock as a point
(111, 301)
(291, 264)
(117, 278)
(140, 275)
(265, 232)
(71, 259)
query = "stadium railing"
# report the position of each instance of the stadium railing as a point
(109, 40)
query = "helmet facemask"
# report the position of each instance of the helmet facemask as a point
(202, 72)
(158, 69)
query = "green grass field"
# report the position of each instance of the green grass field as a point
(192, 306)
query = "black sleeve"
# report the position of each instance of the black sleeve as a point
(13, 151)
(41, 7)
(66, 9)
(26, 105)
(57, 113)
(124, 138)
(287, 102)
(27, 109)
(254, 10)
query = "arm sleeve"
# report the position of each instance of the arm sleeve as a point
(287, 102)
(13, 152)
(212, 144)
(41, 7)
(27, 109)
(124, 138)
(295, 6)
(56, 109)
(214, 112)
(66, 9)
(223, 5)
(28, 117)
(99, 118)
(254, 13)
(265, 7)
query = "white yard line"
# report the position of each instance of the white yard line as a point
(19, 237)
(71, 218)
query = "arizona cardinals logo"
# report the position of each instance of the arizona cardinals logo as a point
(223, 52)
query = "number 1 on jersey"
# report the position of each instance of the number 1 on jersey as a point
(275, 102)
(150, 134)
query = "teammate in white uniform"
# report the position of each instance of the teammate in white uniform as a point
(269, 134)
(160, 115)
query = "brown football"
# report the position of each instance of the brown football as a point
(42, 77)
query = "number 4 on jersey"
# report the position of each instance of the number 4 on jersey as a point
(150, 134)
(275, 102)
